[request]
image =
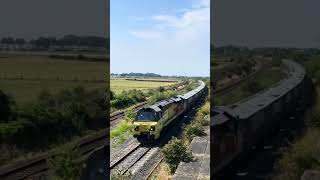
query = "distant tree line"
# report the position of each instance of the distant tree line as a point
(133, 74)
(67, 40)
(232, 52)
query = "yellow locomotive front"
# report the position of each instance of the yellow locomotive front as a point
(147, 125)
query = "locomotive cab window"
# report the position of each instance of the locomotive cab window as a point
(147, 116)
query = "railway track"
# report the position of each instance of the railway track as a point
(133, 159)
(227, 88)
(117, 116)
(148, 176)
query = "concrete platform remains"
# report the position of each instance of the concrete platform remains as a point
(199, 168)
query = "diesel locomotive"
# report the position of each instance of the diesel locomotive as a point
(238, 127)
(151, 120)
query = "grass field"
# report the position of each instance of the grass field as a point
(42, 67)
(118, 85)
(23, 76)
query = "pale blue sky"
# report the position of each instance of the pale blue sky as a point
(169, 37)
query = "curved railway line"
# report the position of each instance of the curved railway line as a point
(229, 86)
(252, 119)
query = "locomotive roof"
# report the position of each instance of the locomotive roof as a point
(219, 116)
(161, 104)
(253, 104)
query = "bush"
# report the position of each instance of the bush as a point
(174, 152)
(203, 111)
(313, 120)
(301, 156)
(192, 130)
(127, 98)
(130, 115)
(161, 89)
(252, 87)
(66, 165)
(6, 105)
(121, 128)
(161, 96)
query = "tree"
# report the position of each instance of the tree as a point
(42, 42)
(20, 41)
(112, 95)
(66, 165)
(5, 107)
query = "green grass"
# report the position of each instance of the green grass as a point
(265, 80)
(118, 85)
(120, 133)
(23, 76)
(121, 128)
(302, 155)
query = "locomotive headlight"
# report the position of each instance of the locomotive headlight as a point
(136, 128)
(152, 128)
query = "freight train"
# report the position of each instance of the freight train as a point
(151, 120)
(238, 127)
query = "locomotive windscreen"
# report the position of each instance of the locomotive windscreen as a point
(145, 115)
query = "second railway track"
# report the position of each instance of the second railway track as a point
(30, 167)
